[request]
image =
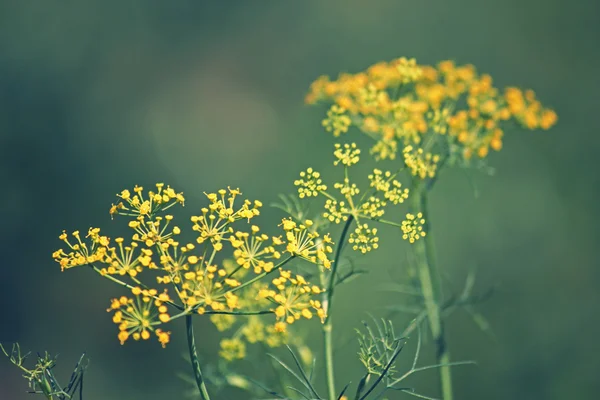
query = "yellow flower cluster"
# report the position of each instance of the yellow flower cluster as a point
(248, 329)
(337, 121)
(447, 109)
(364, 239)
(391, 189)
(126, 261)
(151, 230)
(301, 242)
(348, 154)
(412, 227)
(384, 189)
(80, 253)
(140, 205)
(137, 317)
(420, 164)
(292, 298)
(336, 211)
(205, 286)
(373, 207)
(215, 220)
(251, 251)
(202, 284)
(310, 184)
(232, 349)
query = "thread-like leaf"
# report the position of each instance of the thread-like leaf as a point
(290, 370)
(304, 376)
(399, 288)
(361, 385)
(343, 391)
(385, 370)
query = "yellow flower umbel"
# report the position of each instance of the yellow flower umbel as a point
(254, 330)
(249, 329)
(364, 239)
(148, 205)
(384, 190)
(232, 349)
(302, 242)
(202, 283)
(201, 286)
(126, 261)
(423, 165)
(251, 250)
(151, 231)
(216, 219)
(412, 227)
(81, 253)
(137, 317)
(293, 299)
(385, 183)
(310, 184)
(347, 155)
(448, 110)
(337, 121)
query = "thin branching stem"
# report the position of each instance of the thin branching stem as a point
(128, 286)
(327, 326)
(260, 276)
(194, 358)
(430, 281)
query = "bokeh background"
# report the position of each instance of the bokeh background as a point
(98, 96)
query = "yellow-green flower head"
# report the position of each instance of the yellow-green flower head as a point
(346, 188)
(409, 70)
(412, 227)
(232, 349)
(438, 120)
(373, 207)
(385, 149)
(385, 183)
(254, 329)
(336, 211)
(222, 321)
(310, 184)
(348, 154)
(364, 239)
(337, 121)
(301, 242)
(423, 165)
(293, 297)
(276, 335)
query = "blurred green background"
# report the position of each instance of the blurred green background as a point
(98, 96)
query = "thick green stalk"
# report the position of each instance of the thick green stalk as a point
(327, 301)
(327, 331)
(429, 278)
(194, 357)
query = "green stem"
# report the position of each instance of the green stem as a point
(327, 336)
(194, 357)
(327, 301)
(429, 277)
